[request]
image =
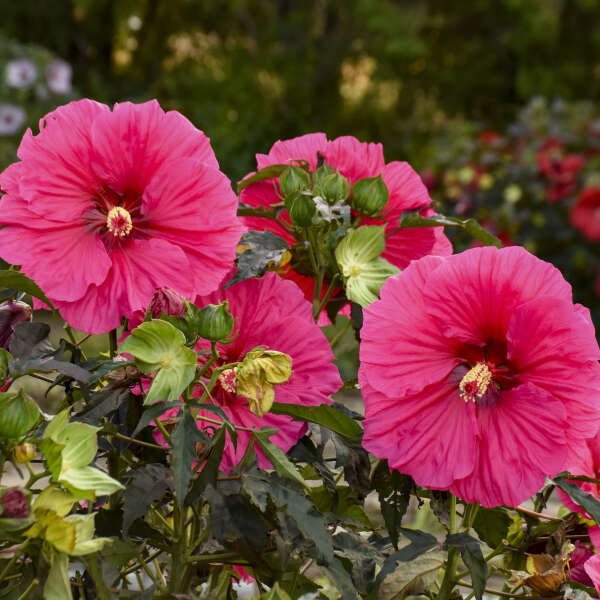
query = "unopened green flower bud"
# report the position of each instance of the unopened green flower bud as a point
(319, 176)
(214, 322)
(370, 196)
(334, 187)
(18, 414)
(301, 209)
(293, 179)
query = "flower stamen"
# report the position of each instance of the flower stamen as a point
(475, 383)
(118, 221)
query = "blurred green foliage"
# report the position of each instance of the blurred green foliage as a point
(249, 72)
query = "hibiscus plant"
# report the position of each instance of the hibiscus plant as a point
(300, 392)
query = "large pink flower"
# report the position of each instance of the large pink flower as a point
(106, 206)
(589, 466)
(354, 160)
(479, 374)
(271, 312)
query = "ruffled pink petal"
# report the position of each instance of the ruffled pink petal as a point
(261, 193)
(58, 181)
(304, 147)
(405, 187)
(594, 533)
(473, 294)
(402, 350)
(431, 436)
(192, 206)
(559, 354)
(134, 140)
(10, 177)
(62, 259)
(407, 245)
(137, 270)
(592, 568)
(522, 441)
(353, 159)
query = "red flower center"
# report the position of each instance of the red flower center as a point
(484, 373)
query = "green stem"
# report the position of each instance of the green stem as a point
(508, 594)
(93, 568)
(449, 580)
(327, 296)
(338, 336)
(112, 343)
(140, 442)
(179, 566)
(210, 558)
(206, 366)
(29, 589)
(13, 560)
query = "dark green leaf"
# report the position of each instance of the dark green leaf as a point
(217, 410)
(149, 483)
(265, 249)
(421, 542)
(183, 451)
(267, 173)
(19, 281)
(491, 525)
(235, 522)
(210, 470)
(33, 352)
(590, 504)
(102, 403)
(325, 415)
(471, 226)
(470, 551)
(393, 489)
(439, 506)
(282, 464)
(152, 413)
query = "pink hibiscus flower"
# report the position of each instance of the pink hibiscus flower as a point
(270, 312)
(479, 374)
(354, 160)
(590, 467)
(107, 206)
(592, 568)
(585, 213)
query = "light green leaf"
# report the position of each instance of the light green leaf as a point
(85, 543)
(57, 424)
(58, 586)
(360, 246)
(18, 414)
(282, 464)
(80, 444)
(90, 478)
(364, 287)
(159, 347)
(55, 499)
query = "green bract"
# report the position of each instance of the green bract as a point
(293, 179)
(159, 347)
(18, 414)
(364, 271)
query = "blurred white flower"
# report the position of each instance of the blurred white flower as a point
(58, 76)
(12, 118)
(21, 73)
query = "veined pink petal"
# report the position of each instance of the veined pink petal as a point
(407, 190)
(304, 147)
(431, 436)
(498, 280)
(64, 258)
(592, 568)
(353, 159)
(526, 421)
(132, 143)
(58, 181)
(402, 350)
(192, 206)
